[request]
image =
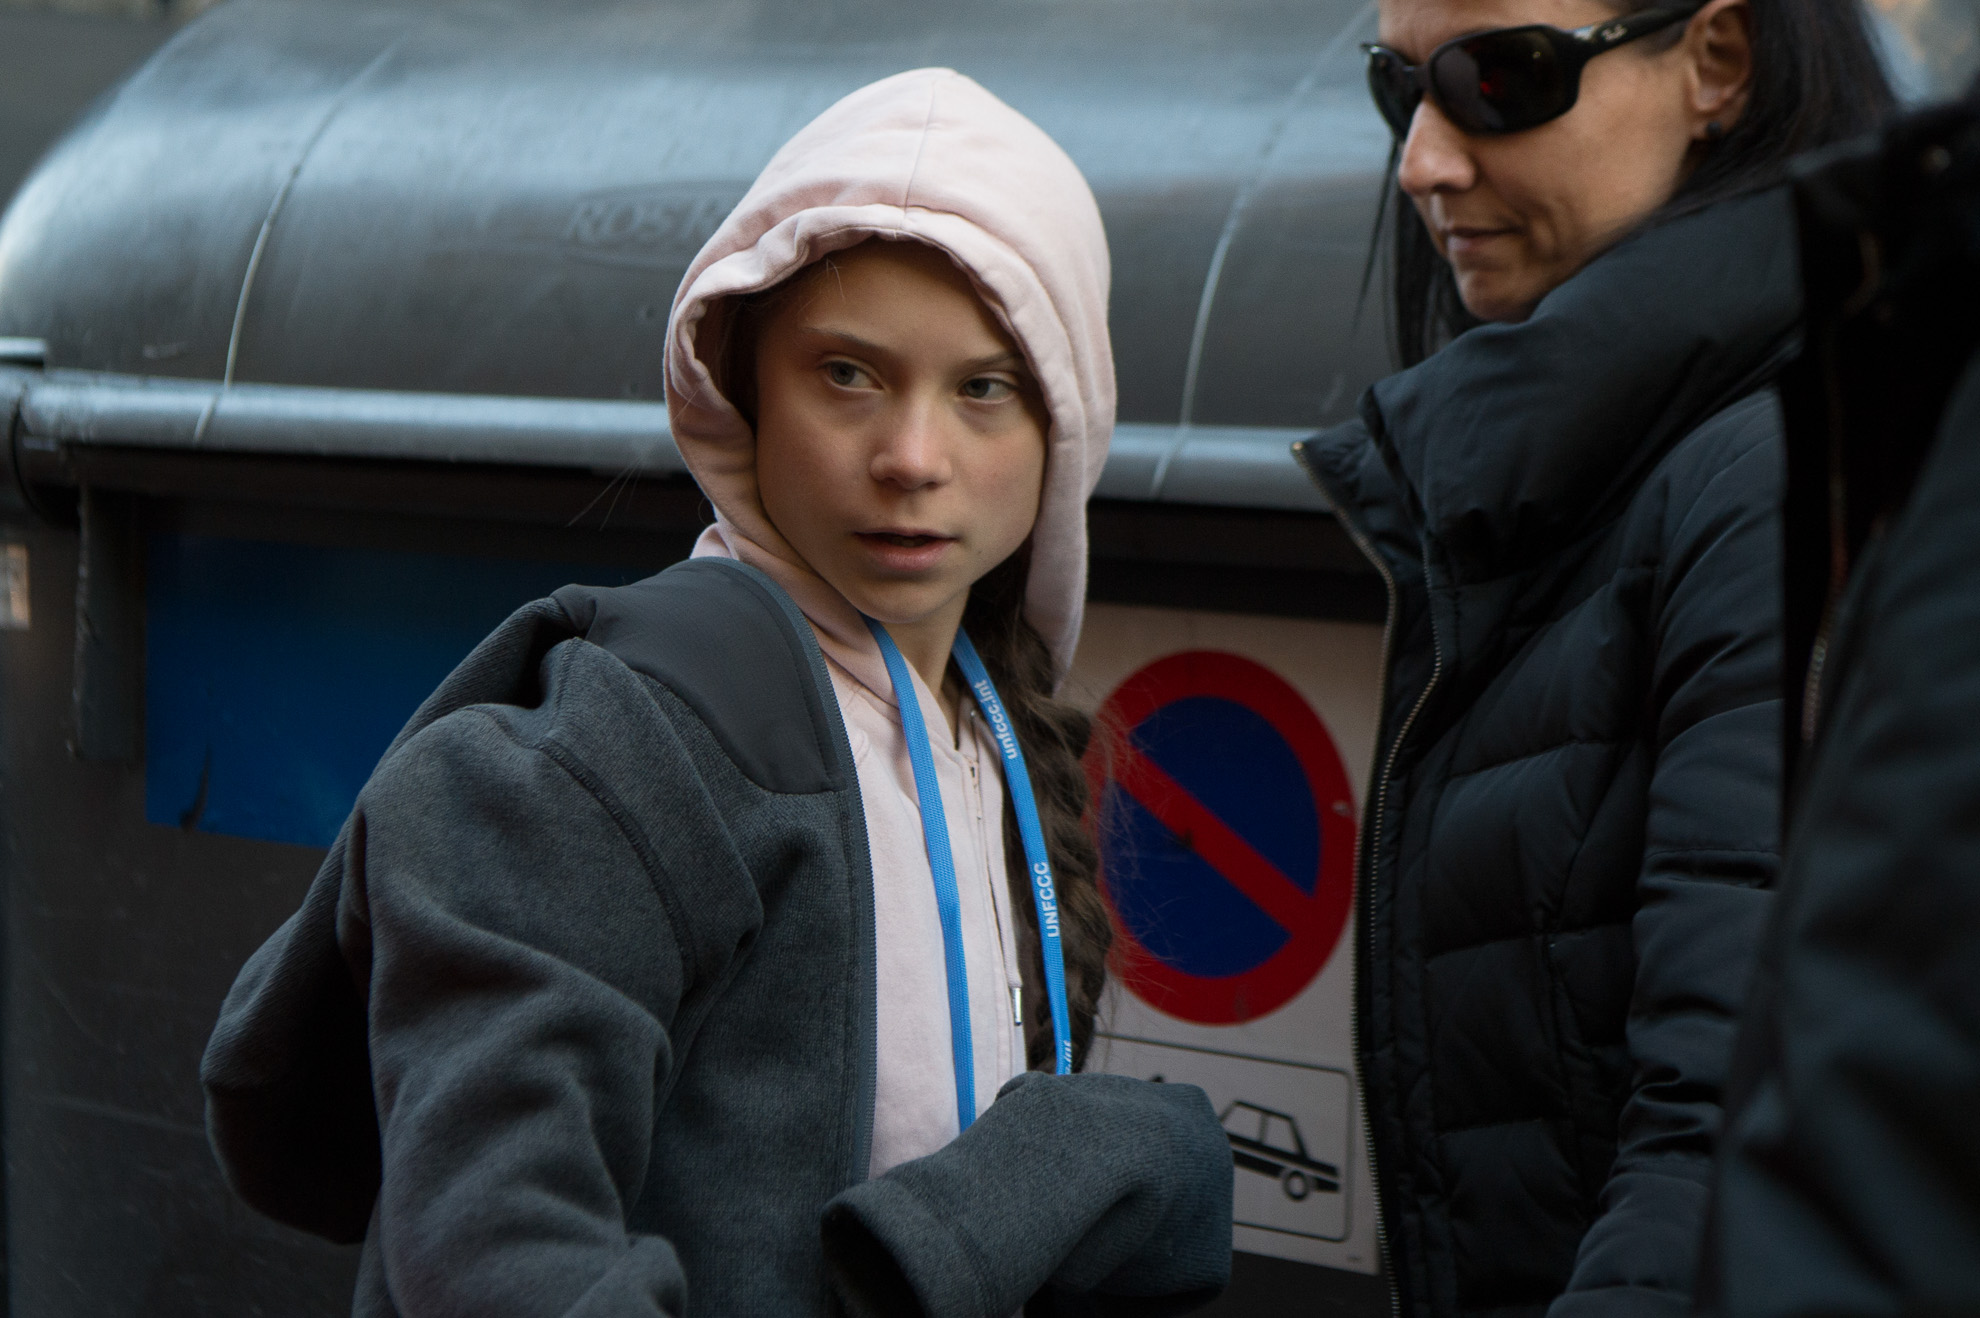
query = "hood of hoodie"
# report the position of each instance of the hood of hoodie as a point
(925, 156)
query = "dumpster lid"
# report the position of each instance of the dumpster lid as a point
(366, 229)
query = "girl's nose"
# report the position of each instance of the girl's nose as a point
(912, 454)
(1436, 157)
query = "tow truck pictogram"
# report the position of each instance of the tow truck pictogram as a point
(1276, 1150)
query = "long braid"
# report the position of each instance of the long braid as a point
(1054, 736)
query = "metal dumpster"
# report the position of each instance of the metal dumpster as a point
(336, 333)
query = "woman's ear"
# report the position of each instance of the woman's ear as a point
(1719, 51)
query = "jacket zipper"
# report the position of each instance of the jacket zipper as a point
(1364, 854)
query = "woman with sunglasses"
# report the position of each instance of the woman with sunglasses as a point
(1571, 493)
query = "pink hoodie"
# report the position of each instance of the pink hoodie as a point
(926, 156)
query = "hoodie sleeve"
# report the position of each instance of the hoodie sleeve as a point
(522, 972)
(1081, 1194)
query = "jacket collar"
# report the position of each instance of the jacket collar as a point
(1517, 438)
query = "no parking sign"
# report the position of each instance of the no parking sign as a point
(1227, 836)
(1229, 757)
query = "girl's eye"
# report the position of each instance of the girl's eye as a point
(988, 389)
(844, 374)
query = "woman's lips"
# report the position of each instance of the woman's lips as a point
(905, 551)
(1460, 243)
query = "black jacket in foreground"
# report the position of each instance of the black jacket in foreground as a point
(1849, 1177)
(578, 1017)
(1574, 817)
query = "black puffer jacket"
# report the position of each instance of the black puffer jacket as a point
(1574, 817)
(1850, 1173)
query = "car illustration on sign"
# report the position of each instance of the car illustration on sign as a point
(1269, 1143)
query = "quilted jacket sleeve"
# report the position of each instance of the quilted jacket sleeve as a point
(1711, 852)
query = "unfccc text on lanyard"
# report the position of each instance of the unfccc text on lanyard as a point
(941, 861)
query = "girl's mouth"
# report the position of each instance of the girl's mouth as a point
(906, 551)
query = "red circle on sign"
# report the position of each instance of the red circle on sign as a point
(1313, 922)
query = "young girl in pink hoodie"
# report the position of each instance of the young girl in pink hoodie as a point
(691, 946)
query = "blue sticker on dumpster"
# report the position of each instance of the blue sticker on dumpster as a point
(276, 674)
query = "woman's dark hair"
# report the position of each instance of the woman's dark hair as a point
(1816, 80)
(1054, 735)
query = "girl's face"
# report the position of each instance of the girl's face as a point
(900, 437)
(1517, 215)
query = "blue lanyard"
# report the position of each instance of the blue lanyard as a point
(942, 864)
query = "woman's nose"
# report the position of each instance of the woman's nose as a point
(912, 453)
(1436, 157)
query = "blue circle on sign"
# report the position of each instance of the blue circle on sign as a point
(1236, 764)
(1227, 836)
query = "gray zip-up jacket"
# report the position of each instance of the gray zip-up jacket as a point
(578, 1016)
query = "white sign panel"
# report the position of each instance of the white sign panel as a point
(1230, 766)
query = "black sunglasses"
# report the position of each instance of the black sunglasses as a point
(1505, 80)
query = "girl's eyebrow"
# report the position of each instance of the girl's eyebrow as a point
(1010, 361)
(852, 341)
